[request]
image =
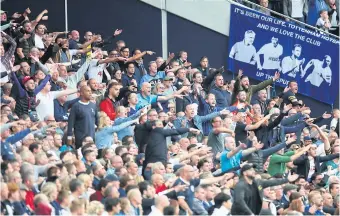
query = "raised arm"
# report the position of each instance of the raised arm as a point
(22, 91)
(38, 18)
(10, 52)
(324, 138)
(257, 124)
(65, 92)
(42, 84)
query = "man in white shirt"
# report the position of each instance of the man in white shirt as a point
(39, 33)
(45, 99)
(271, 55)
(321, 72)
(244, 50)
(98, 64)
(292, 64)
(160, 203)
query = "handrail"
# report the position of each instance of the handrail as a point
(282, 15)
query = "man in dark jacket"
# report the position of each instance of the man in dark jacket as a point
(262, 133)
(223, 97)
(156, 148)
(249, 193)
(309, 163)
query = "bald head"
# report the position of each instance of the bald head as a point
(161, 202)
(85, 93)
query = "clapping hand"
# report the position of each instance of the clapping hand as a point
(276, 76)
(286, 108)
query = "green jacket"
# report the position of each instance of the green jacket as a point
(250, 91)
(277, 163)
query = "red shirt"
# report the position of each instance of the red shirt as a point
(30, 199)
(161, 188)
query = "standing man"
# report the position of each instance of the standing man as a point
(242, 84)
(248, 193)
(296, 9)
(223, 97)
(83, 117)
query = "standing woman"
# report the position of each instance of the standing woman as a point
(203, 67)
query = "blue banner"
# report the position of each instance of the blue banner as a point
(260, 45)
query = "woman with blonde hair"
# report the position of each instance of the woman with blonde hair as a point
(95, 208)
(104, 134)
(51, 192)
(126, 207)
(87, 180)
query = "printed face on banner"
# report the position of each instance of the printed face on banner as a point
(262, 45)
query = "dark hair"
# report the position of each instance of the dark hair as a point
(294, 196)
(33, 146)
(131, 187)
(124, 179)
(109, 87)
(331, 186)
(292, 81)
(119, 149)
(125, 139)
(52, 171)
(110, 203)
(143, 186)
(220, 199)
(169, 210)
(195, 74)
(102, 184)
(123, 48)
(75, 184)
(201, 163)
(314, 176)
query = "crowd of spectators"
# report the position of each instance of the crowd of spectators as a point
(91, 131)
(323, 14)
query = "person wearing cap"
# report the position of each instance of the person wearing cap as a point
(248, 193)
(288, 189)
(30, 91)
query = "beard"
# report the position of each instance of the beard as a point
(251, 177)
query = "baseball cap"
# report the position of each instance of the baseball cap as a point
(168, 78)
(247, 167)
(2, 11)
(289, 187)
(26, 79)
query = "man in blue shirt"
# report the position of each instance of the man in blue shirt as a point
(232, 156)
(145, 97)
(154, 76)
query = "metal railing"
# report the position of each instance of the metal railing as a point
(281, 15)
